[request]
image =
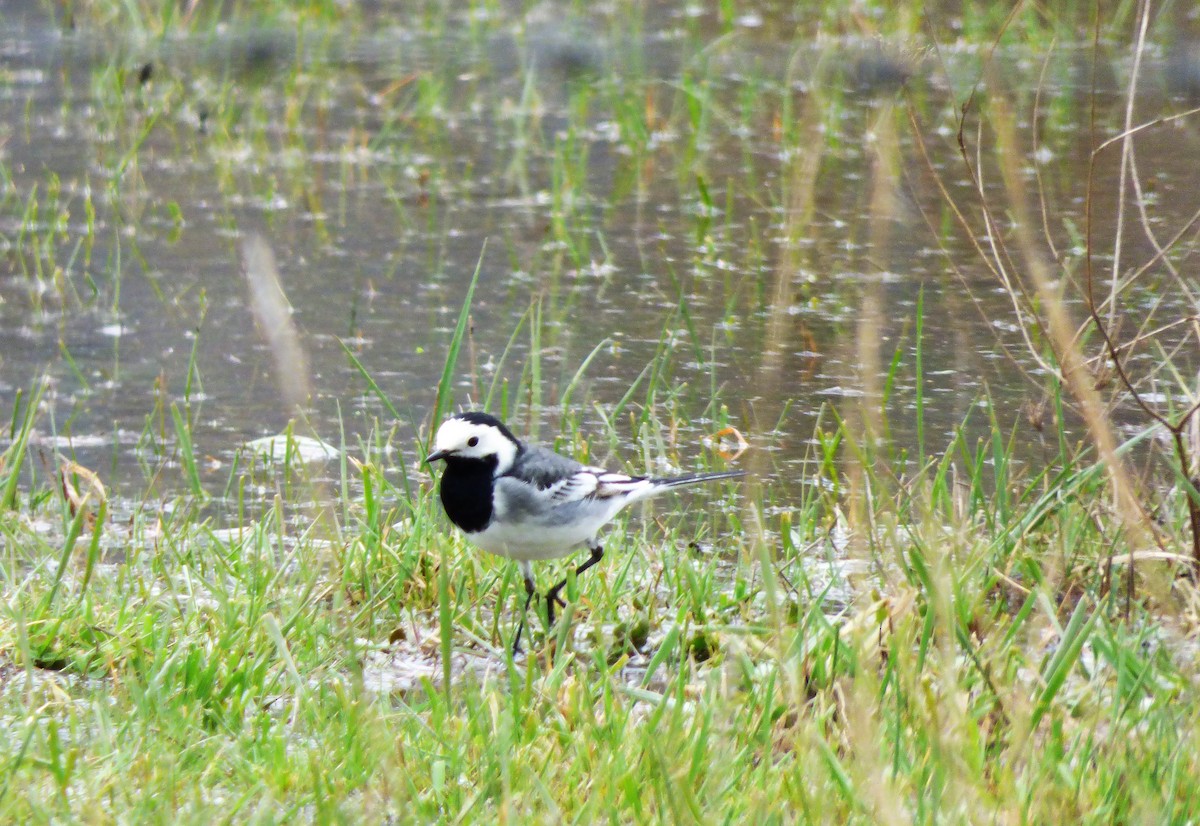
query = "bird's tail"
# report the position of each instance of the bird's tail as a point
(664, 484)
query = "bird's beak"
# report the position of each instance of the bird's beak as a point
(436, 455)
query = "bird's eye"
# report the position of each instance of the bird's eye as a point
(471, 442)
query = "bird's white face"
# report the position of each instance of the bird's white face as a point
(462, 439)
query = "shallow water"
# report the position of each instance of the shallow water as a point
(746, 214)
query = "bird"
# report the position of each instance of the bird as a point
(527, 503)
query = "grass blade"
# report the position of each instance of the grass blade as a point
(442, 400)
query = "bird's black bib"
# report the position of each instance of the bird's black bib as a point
(466, 490)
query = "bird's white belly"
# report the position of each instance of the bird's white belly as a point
(532, 541)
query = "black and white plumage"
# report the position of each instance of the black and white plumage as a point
(528, 503)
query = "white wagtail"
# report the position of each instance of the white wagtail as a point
(525, 502)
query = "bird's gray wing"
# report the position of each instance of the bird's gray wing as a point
(596, 483)
(561, 480)
(542, 468)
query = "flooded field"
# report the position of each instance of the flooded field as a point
(737, 226)
(925, 272)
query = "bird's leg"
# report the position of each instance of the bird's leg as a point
(551, 598)
(552, 595)
(530, 590)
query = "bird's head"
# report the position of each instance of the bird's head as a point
(475, 436)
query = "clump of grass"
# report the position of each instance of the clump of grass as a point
(12, 461)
